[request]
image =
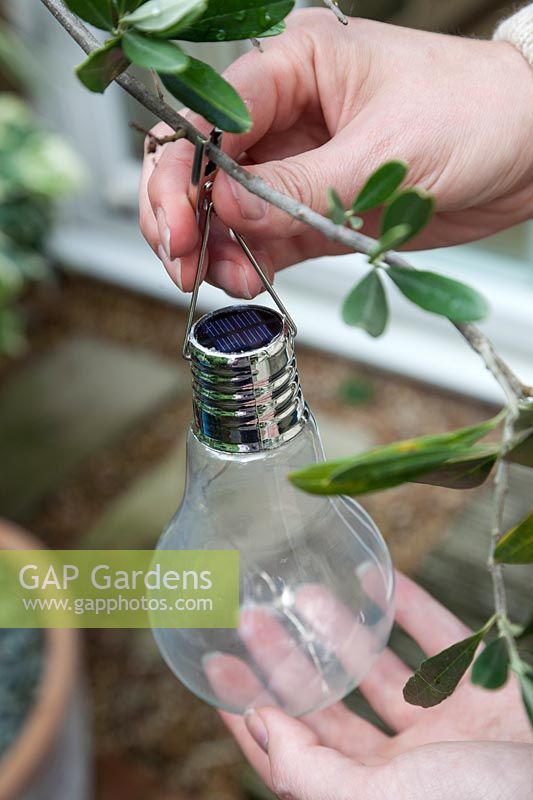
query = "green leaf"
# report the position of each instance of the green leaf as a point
(99, 13)
(516, 546)
(126, 6)
(440, 295)
(230, 20)
(526, 630)
(366, 305)
(390, 240)
(437, 677)
(525, 417)
(380, 186)
(466, 471)
(392, 464)
(525, 677)
(102, 66)
(356, 391)
(203, 90)
(336, 211)
(164, 57)
(411, 207)
(373, 471)
(165, 17)
(491, 667)
(522, 451)
(275, 30)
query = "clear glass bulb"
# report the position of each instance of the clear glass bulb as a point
(316, 580)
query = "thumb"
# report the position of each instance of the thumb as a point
(300, 768)
(305, 178)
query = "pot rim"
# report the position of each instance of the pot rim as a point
(31, 746)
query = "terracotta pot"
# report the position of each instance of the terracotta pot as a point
(48, 760)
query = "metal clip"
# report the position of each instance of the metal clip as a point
(202, 178)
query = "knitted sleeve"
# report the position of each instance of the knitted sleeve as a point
(518, 30)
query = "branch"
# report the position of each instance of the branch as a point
(501, 487)
(332, 5)
(351, 239)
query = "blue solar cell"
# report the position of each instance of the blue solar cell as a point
(238, 330)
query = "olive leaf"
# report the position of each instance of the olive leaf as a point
(524, 673)
(393, 464)
(410, 207)
(522, 451)
(438, 676)
(102, 66)
(164, 57)
(202, 89)
(165, 17)
(526, 631)
(275, 30)
(516, 546)
(380, 186)
(465, 471)
(389, 240)
(127, 5)
(491, 667)
(336, 211)
(99, 13)
(441, 295)
(231, 20)
(366, 305)
(524, 421)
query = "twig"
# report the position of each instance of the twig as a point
(351, 239)
(501, 488)
(157, 141)
(332, 5)
(157, 84)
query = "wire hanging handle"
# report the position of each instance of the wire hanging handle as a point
(202, 178)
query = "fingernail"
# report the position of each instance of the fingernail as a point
(164, 231)
(250, 205)
(228, 274)
(257, 730)
(172, 265)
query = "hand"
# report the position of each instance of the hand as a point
(329, 105)
(474, 746)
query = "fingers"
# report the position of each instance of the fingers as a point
(234, 683)
(291, 668)
(429, 623)
(433, 627)
(230, 269)
(274, 91)
(302, 769)
(304, 177)
(253, 752)
(383, 688)
(346, 732)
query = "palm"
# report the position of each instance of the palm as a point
(425, 739)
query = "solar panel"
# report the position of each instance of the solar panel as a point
(238, 329)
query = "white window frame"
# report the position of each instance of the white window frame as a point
(95, 238)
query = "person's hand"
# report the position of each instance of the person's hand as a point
(477, 745)
(329, 104)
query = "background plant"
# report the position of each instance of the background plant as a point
(36, 169)
(147, 34)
